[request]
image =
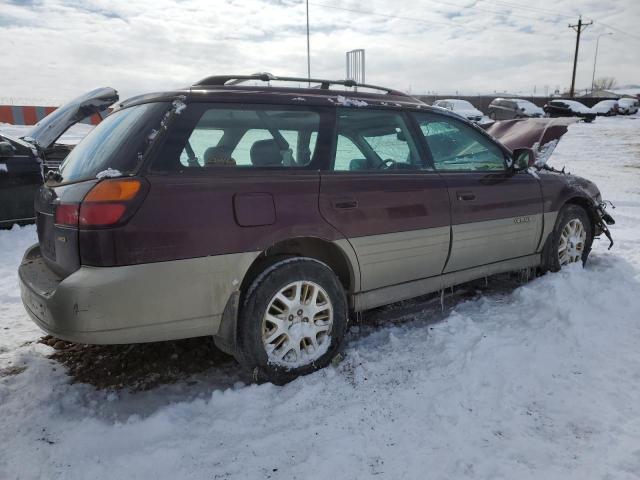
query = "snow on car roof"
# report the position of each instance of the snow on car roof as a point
(576, 106)
(460, 103)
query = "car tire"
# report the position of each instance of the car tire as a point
(292, 320)
(570, 241)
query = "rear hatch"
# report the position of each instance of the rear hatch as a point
(49, 129)
(65, 204)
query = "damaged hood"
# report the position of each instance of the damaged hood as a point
(540, 134)
(50, 128)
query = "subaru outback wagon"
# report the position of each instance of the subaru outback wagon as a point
(263, 216)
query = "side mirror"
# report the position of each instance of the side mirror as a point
(523, 158)
(6, 150)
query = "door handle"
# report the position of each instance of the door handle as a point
(345, 204)
(466, 196)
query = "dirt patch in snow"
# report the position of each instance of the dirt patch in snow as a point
(141, 367)
(10, 371)
(136, 367)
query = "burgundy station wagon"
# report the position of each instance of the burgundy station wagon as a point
(263, 216)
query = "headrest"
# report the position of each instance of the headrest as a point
(266, 153)
(216, 156)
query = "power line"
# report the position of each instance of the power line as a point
(458, 25)
(416, 20)
(618, 30)
(474, 8)
(540, 10)
(530, 8)
(385, 15)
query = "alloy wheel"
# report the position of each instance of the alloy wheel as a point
(572, 242)
(297, 324)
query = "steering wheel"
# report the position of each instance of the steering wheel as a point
(387, 164)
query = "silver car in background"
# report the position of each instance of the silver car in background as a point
(509, 108)
(461, 107)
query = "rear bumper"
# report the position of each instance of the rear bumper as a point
(131, 304)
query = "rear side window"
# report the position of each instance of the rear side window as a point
(115, 143)
(375, 141)
(241, 136)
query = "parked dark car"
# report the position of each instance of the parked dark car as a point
(263, 216)
(569, 108)
(25, 161)
(509, 108)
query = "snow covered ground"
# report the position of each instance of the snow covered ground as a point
(539, 382)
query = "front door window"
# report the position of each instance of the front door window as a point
(458, 147)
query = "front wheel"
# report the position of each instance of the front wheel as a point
(292, 321)
(571, 239)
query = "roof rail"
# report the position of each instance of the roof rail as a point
(222, 80)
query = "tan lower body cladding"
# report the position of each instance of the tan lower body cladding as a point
(137, 303)
(419, 261)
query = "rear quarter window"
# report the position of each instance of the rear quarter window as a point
(241, 136)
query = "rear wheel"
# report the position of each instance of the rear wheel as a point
(292, 321)
(571, 239)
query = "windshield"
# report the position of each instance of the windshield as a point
(115, 143)
(462, 105)
(528, 106)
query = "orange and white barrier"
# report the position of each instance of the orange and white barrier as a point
(30, 115)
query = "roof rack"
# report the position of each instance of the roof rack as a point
(222, 80)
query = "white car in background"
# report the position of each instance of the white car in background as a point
(461, 107)
(628, 106)
(606, 108)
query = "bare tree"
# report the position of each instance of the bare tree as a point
(604, 83)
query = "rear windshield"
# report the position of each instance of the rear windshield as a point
(115, 143)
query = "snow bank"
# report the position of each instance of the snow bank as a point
(536, 383)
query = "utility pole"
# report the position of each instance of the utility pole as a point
(578, 28)
(308, 47)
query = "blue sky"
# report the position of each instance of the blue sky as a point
(58, 49)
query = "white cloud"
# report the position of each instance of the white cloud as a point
(58, 49)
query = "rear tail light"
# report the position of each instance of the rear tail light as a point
(101, 214)
(67, 214)
(108, 203)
